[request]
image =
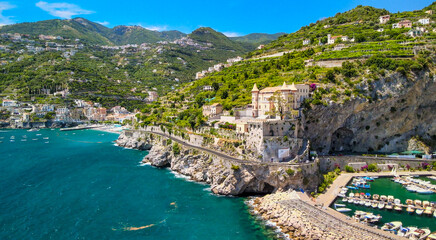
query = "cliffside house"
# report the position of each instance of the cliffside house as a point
(207, 88)
(306, 41)
(152, 96)
(199, 75)
(430, 12)
(270, 99)
(212, 110)
(402, 24)
(424, 21)
(332, 40)
(384, 19)
(415, 32)
(9, 103)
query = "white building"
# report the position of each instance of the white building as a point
(152, 96)
(207, 88)
(234, 60)
(306, 41)
(424, 21)
(10, 103)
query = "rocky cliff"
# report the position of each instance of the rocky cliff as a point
(403, 108)
(227, 177)
(133, 140)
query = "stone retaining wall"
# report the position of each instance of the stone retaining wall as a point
(328, 163)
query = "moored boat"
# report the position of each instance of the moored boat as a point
(374, 205)
(343, 209)
(392, 226)
(410, 209)
(389, 206)
(375, 196)
(381, 205)
(419, 211)
(403, 232)
(409, 202)
(428, 211)
(420, 233)
(432, 236)
(398, 208)
(367, 203)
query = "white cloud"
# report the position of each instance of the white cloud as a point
(104, 23)
(5, 20)
(156, 28)
(62, 10)
(232, 34)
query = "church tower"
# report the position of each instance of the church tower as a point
(255, 100)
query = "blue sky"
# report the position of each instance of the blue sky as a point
(233, 17)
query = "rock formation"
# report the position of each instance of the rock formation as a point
(226, 177)
(401, 109)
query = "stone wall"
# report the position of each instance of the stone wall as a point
(327, 163)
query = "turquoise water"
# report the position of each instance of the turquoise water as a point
(384, 186)
(78, 185)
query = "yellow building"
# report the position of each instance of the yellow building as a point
(266, 101)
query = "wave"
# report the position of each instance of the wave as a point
(208, 189)
(142, 164)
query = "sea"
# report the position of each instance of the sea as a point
(80, 185)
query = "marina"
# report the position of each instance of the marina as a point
(388, 200)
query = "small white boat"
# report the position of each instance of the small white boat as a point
(428, 211)
(403, 232)
(33, 130)
(38, 134)
(419, 234)
(339, 205)
(45, 138)
(432, 236)
(343, 209)
(389, 206)
(424, 191)
(47, 142)
(410, 209)
(381, 205)
(367, 203)
(374, 205)
(419, 211)
(398, 208)
(392, 226)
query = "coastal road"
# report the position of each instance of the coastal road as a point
(219, 154)
(223, 155)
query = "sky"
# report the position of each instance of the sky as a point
(232, 17)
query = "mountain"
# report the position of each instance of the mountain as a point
(91, 32)
(77, 28)
(136, 35)
(258, 38)
(219, 40)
